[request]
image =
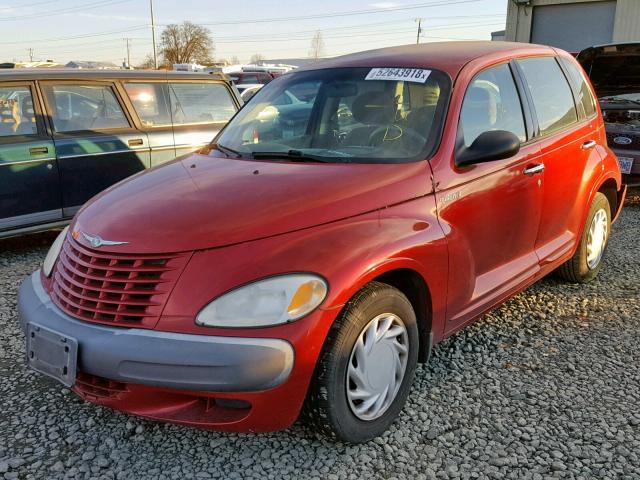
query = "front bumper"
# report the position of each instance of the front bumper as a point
(161, 359)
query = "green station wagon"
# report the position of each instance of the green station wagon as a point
(66, 135)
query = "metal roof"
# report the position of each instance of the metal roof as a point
(446, 56)
(82, 74)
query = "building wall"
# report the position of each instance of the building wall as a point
(626, 26)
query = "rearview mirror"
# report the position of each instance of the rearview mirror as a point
(489, 146)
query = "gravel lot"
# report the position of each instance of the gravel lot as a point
(548, 385)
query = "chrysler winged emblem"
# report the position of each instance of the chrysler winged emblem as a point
(96, 241)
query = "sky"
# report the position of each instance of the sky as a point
(65, 30)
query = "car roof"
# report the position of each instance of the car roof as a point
(449, 57)
(11, 74)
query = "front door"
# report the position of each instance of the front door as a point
(29, 182)
(95, 141)
(490, 211)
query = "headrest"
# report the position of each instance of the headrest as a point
(374, 108)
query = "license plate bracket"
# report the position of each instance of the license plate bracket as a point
(52, 353)
(626, 164)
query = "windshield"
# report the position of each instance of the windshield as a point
(379, 115)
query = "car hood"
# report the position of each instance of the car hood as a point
(203, 201)
(613, 69)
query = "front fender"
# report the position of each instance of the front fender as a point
(348, 254)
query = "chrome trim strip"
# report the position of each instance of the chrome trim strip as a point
(31, 160)
(161, 149)
(70, 211)
(30, 218)
(43, 227)
(195, 146)
(99, 154)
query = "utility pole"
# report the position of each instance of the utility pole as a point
(419, 20)
(127, 40)
(153, 36)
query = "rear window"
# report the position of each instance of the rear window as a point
(162, 104)
(84, 107)
(200, 103)
(551, 94)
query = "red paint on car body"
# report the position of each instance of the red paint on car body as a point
(244, 220)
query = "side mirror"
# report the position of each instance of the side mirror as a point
(489, 146)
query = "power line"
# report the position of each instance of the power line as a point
(78, 37)
(50, 13)
(439, 3)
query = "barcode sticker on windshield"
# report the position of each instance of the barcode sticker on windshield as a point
(417, 75)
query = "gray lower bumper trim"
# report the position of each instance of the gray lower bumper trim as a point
(174, 360)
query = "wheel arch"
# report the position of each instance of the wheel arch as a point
(413, 285)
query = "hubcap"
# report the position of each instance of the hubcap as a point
(377, 366)
(597, 239)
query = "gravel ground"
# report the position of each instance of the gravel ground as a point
(546, 386)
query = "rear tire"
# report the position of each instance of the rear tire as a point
(587, 261)
(366, 367)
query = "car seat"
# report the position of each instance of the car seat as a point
(373, 110)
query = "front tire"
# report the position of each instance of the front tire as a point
(587, 261)
(366, 367)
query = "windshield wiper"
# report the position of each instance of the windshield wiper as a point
(226, 150)
(292, 155)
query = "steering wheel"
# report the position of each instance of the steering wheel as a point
(391, 133)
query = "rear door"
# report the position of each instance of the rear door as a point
(199, 110)
(566, 134)
(96, 142)
(29, 182)
(150, 101)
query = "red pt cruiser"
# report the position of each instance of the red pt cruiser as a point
(349, 217)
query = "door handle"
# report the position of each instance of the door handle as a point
(135, 142)
(533, 169)
(38, 150)
(588, 145)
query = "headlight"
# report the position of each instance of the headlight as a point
(272, 301)
(54, 251)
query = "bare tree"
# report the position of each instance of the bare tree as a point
(256, 58)
(235, 60)
(146, 64)
(186, 43)
(317, 46)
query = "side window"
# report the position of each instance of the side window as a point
(551, 94)
(586, 102)
(492, 103)
(200, 103)
(17, 116)
(84, 107)
(151, 103)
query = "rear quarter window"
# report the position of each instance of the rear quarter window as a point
(551, 94)
(200, 103)
(586, 102)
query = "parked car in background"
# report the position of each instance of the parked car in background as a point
(250, 78)
(615, 73)
(318, 249)
(67, 135)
